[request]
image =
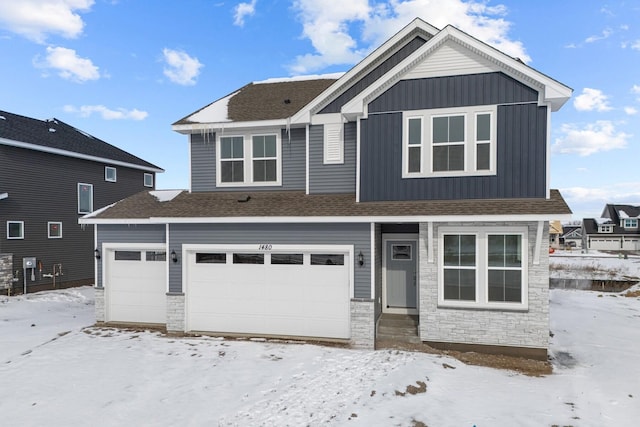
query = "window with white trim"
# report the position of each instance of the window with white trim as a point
(630, 223)
(148, 180)
(110, 174)
(15, 229)
(333, 143)
(483, 268)
(450, 142)
(252, 159)
(54, 230)
(607, 228)
(85, 198)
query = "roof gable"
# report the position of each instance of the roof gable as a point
(55, 136)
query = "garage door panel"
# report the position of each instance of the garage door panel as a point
(280, 299)
(135, 290)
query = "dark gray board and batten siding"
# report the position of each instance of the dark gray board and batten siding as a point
(358, 235)
(43, 188)
(521, 140)
(332, 178)
(131, 233)
(203, 163)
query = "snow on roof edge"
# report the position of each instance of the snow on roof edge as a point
(333, 76)
(165, 195)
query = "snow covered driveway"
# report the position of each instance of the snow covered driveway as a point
(106, 377)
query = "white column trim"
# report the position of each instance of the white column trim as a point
(538, 245)
(430, 242)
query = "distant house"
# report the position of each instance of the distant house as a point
(416, 183)
(617, 229)
(555, 232)
(571, 236)
(51, 174)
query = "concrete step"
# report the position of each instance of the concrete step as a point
(390, 338)
(400, 328)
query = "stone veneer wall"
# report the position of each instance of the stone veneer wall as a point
(362, 323)
(175, 312)
(6, 271)
(99, 305)
(528, 328)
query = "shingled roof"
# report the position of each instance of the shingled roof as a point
(53, 135)
(268, 100)
(220, 205)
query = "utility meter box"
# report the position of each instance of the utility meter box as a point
(29, 262)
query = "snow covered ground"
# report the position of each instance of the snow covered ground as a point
(57, 371)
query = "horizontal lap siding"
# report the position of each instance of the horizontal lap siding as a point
(133, 233)
(521, 141)
(43, 188)
(289, 234)
(332, 178)
(203, 163)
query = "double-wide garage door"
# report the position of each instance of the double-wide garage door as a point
(135, 285)
(287, 292)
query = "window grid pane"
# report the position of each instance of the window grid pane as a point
(483, 127)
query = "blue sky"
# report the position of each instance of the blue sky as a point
(124, 70)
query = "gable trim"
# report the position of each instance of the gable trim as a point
(73, 154)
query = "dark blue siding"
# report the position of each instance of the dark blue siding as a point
(375, 74)
(521, 161)
(453, 91)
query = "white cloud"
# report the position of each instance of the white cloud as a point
(635, 89)
(592, 138)
(635, 45)
(68, 64)
(107, 113)
(590, 100)
(180, 67)
(605, 34)
(35, 19)
(344, 32)
(242, 10)
(631, 111)
(588, 202)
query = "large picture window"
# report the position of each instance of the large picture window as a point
(85, 198)
(245, 160)
(485, 268)
(450, 142)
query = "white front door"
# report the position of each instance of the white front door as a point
(400, 275)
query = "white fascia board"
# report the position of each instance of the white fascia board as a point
(187, 129)
(4, 195)
(331, 219)
(73, 154)
(551, 91)
(304, 115)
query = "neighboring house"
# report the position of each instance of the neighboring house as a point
(616, 230)
(415, 183)
(571, 236)
(555, 232)
(51, 174)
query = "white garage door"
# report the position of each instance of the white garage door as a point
(604, 244)
(135, 285)
(286, 292)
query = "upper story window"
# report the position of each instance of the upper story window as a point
(85, 198)
(449, 142)
(54, 230)
(630, 222)
(15, 229)
(248, 160)
(148, 180)
(606, 228)
(484, 268)
(110, 174)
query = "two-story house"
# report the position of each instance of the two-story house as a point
(51, 174)
(415, 183)
(617, 229)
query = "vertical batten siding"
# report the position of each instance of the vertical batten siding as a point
(203, 163)
(453, 91)
(332, 178)
(372, 76)
(521, 141)
(121, 233)
(358, 235)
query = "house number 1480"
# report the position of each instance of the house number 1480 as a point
(265, 247)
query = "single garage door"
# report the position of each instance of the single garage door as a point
(136, 285)
(292, 292)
